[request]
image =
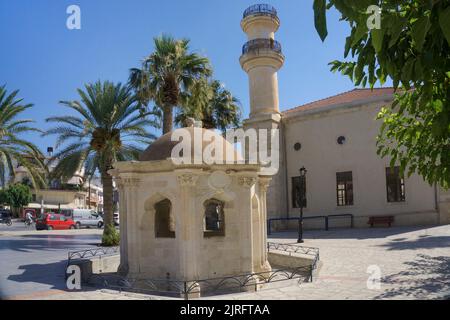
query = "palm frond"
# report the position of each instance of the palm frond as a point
(15, 149)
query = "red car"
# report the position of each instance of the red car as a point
(53, 221)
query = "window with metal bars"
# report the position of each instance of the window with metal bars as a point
(395, 185)
(344, 188)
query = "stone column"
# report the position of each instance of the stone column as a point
(247, 184)
(123, 267)
(131, 186)
(263, 186)
(188, 232)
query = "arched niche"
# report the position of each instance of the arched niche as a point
(214, 218)
(159, 217)
(164, 220)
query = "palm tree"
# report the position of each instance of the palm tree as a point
(107, 128)
(168, 74)
(210, 102)
(15, 151)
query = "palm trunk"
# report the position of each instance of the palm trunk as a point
(107, 200)
(167, 119)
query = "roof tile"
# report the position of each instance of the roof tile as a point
(345, 97)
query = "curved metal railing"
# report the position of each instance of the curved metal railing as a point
(89, 253)
(261, 44)
(260, 9)
(210, 286)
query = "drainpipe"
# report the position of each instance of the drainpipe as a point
(284, 150)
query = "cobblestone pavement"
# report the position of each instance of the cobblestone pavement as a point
(414, 263)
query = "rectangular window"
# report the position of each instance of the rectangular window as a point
(395, 185)
(298, 191)
(344, 188)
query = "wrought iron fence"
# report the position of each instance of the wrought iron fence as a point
(296, 249)
(256, 45)
(326, 220)
(205, 287)
(185, 289)
(293, 248)
(344, 215)
(89, 253)
(260, 9)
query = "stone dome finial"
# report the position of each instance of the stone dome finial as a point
(191, 122)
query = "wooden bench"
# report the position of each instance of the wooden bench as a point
(381, 220)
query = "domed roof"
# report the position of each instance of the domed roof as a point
(161, 149)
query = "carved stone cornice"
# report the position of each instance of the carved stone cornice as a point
(247, 182)
(187, 179)
(119, 183)
(129, 181)
(264, 184)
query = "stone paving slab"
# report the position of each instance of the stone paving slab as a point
(414, 263)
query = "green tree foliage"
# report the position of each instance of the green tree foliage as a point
(3, 197)
(111, 237)
(15, 150)
(211, 103)
(168, 74)
(108, 127)
(412, 47)
(17, 196)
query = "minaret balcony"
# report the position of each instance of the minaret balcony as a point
(258, 52)
(260, 17)
(261, 45)
(261, 10)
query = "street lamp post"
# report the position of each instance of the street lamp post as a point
(302, 200)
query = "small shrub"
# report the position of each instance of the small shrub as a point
(111, 237)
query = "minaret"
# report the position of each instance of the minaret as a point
(261, 59)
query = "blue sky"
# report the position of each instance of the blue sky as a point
(48, 62)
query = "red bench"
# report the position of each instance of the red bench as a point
(381, 220)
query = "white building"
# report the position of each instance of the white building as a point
(76, 193)
(335, 140)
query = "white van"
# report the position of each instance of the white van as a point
(86, 218)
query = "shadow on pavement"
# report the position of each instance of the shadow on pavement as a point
(421, 279)
(46, 244)
(50, 274)
(423, 242)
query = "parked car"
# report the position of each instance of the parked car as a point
(115, 218)
(86, 218)
(53, 221)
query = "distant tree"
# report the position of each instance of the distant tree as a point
(3, 197)
(168, 74)
(13, 149)
(211, 103)
(412, 47)
(17, 196)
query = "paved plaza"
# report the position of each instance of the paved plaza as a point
(414, 263)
